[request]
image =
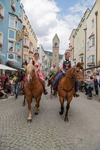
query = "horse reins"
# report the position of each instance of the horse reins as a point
(73, 81)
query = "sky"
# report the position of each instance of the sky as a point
(49, 17)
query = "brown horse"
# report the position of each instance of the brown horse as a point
(33, 88)
(66, 87)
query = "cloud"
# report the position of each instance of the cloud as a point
(46, 20)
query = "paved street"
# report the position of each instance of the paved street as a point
(48, 131)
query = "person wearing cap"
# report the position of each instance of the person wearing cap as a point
(53, 70)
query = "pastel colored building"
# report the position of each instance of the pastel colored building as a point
(29, 40)
(91, 38)
(98, 41)
(71, 44)
(11, 13)
(80, 40)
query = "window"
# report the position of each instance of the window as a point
(1, 12)
(92, 41)
(12, 34)
(19, 52)
(91, 59)
(1, 40)
(26, 42)
(11, 46)
(12, 22)
(81, 59)
(25, 58)
(31, 46)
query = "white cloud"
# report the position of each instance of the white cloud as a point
(43, 15)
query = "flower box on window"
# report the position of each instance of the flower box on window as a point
(1, 45)
(1, 16)
(13, 8)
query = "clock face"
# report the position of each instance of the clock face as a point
(55, 44)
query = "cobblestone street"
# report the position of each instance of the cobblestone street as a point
(48, 131)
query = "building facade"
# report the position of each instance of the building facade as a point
(11, 13)
(91, 44)
(29, 40)
(80, 40)
(71, 43)
(98, 41)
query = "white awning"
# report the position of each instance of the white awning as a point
(4, 67)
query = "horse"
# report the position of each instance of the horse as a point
(32, 88)
(66, 87)
(51, 81)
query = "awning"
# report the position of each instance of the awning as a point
(4, 67)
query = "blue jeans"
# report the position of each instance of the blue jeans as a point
(16, 89)
(57, 78)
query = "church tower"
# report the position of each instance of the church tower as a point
(55, 55)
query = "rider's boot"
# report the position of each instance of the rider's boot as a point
(54, 92)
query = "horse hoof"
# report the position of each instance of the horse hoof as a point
(60, 112)
(23, 104)
(36, 113)
(29, 120)
(66, 119)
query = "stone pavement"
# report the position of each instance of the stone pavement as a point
(48, 131)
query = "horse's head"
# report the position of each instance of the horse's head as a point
(79, 71)
(30, 72)
(76, 73)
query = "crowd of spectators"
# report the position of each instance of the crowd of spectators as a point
(90, 85)
(10, 84)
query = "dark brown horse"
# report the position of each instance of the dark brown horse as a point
(33, 88)
(66, 87)
(51, 81)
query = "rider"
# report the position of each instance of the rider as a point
(53, 70)
(37, 63)
(67, 63)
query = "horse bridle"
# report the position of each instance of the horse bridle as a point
(72, 74)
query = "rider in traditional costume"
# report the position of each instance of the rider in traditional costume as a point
(53, 70)
(67, 63)
(37, 63)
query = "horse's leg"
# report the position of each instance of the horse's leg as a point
(51, 92)
(24, 100)
(29, 108)
(62, 105)
(37, 105)
(67, 108)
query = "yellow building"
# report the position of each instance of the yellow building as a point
(29, 40)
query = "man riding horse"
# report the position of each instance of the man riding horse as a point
(67, 64)
(53, 70)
